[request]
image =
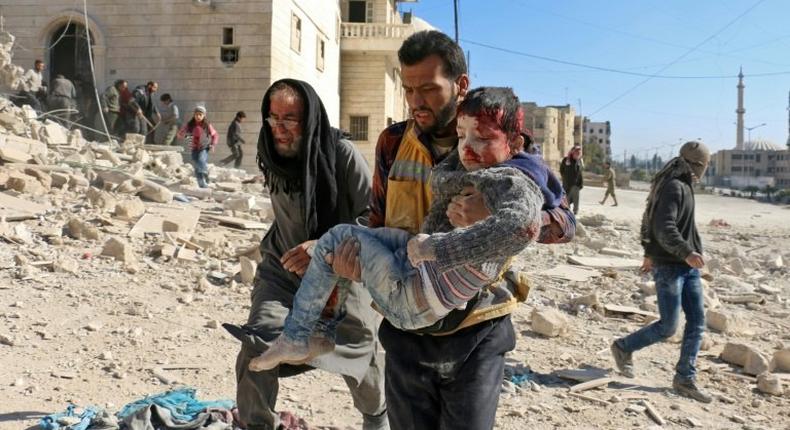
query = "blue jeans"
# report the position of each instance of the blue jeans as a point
(677, 286)
(387, 274)
(200, 161)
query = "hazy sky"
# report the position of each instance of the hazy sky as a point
(700, 38)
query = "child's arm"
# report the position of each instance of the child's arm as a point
(515, 202)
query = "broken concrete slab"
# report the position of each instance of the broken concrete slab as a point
(571, 273)
(549, 322)
(581, 375)
(25, 184)
(100, 199)
(241, 204)
(16, 209)
(239, 223)
(152, 222)
(616, 252)
(618, 310)
(604, 262)
(725, 322)
(743, 355)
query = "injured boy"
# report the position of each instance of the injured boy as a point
(415, 281)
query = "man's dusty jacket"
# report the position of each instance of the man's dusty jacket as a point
(672, 233)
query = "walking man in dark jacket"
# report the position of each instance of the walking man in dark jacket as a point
(571, 173)
(146, 113)
(673, 251)
(235, 140)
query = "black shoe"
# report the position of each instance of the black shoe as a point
(688, 388)
(623, 360)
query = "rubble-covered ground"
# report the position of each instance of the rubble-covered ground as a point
(116, 272)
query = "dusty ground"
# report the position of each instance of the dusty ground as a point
(93, 337)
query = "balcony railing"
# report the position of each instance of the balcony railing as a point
(358, 30)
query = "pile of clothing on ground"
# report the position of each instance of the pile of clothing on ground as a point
(176, 409)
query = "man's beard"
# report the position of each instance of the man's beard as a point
(292, 151)
(444, 117)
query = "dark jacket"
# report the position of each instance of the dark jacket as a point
(143, 100)
(673, 233)
(571, 173)
(234, 133)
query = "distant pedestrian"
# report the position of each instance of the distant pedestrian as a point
(673, 253)
(146, 114)
(609, 177)
(235, 140)
(201, 137)
(571, 172)
(63, 96)
(168, 126)
(111, 106)
(31, 88)
(530, 147)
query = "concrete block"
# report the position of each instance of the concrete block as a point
(724, 322)
(44, 178)
(549, 322)
(129, 209)
(770, 384)
(101, 199)
(119, 249)
(242, 204)
(781, 360)
(59, 179)
(745, 356)
(25, 184)
(80, 230)
(152, 191)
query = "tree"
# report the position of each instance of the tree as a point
(769, 190)
(594, 157)
(633, 162)
(751, 189)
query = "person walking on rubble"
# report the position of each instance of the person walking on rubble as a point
(316, 179)
(235, 140)
(63, 96)
(572, 179)
(673, 253)
(168, 127)
(609, 176)
(201, 137)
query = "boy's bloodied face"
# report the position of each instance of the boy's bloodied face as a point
(481, 142)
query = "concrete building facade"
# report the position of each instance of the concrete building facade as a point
(552, 128)
(599, 133)
(759, 164)
(225, 53)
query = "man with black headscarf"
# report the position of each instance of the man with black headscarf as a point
(673, 253)
(316, 179)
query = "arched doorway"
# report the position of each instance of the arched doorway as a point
(69, 57)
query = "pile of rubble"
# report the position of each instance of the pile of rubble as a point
(138, 201)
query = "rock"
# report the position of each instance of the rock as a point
(66, 265)
(119, 249)
(94, 326)
(709, 296)
(590, 300)
(43, 178)
(101, 199)
(77, 180)
(59, 179)
(776, 262)
(106, 355)
(724, 322)
(770, 384)
(581, 231)
(736, 264)
(743, 355)
(248, 268)
(25, 184)
(80, 230)
(781, 360)
(549, 322)
(152, 191)
(130, 209)
(212, 324)
(596, 244)
(170, 226)
(596, 220)
(242, 204)
(707, 343)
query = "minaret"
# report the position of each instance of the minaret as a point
(740, 111)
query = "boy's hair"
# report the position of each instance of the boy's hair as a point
(423, 44)
(241, 114)
(166, 97)
(497, 103)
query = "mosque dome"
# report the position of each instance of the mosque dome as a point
(761, 145)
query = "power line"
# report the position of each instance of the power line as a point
(618, 71)
(644, 81)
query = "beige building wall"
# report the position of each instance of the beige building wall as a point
(178, 42)
(363, 89)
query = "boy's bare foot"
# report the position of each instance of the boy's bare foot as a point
(285, 350)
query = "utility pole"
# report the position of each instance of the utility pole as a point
(455, 12)
(469, 62)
